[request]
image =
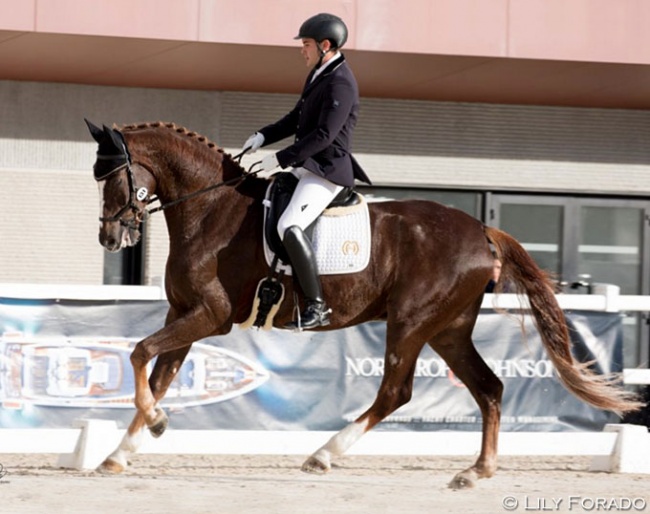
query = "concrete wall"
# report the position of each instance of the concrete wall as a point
(49, 201)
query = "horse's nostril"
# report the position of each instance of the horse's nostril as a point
(108, 242)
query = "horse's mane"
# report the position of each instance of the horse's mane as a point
(183, 131)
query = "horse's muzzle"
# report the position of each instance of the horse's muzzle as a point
(117, 237)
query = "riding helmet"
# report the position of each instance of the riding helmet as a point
(324, 26)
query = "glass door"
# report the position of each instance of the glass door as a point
(610, 246)
(585, 240)
(610, 250)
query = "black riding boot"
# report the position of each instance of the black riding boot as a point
(303, 262)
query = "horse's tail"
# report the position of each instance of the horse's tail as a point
(519, 269)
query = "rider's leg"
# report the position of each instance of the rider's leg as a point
(303, 262)
(311, 197)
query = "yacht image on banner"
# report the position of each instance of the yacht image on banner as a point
(95, 373)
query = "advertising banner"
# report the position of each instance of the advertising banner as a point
(63, 360)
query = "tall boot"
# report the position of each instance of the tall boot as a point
(303, 262)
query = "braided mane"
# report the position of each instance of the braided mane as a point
(180, 130)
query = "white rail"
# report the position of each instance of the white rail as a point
(263, 442)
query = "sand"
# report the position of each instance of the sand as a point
(357, 484)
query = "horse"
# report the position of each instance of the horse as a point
(426, 278)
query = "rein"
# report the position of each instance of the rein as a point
(140, 194)
(235, 180)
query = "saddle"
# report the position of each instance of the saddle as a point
(270, 291)
(282, 188)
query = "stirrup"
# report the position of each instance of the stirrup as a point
(315, 315)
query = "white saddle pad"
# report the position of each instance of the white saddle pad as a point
(341, 240)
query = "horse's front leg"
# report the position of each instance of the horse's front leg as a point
(163, 374)
(145, 402)
(179, 334)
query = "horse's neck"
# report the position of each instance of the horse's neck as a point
(183, 166)
(185, 175)
(224, 206)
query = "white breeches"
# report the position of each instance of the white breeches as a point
(312, 195)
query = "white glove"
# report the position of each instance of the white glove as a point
(253, 143)
(267, 166)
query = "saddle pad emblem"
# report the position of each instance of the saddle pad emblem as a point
(350, 248)
(341, 240)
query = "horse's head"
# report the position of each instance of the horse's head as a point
(123, 190)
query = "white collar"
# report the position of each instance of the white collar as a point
(323, 67)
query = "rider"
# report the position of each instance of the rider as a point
(322, 121)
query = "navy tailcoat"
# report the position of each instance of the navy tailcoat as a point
(322, 121)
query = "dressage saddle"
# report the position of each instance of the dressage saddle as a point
(282, 188)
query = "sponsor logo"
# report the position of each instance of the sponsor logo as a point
(91, 373)
(437, 368)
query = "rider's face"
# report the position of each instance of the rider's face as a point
(310, 52)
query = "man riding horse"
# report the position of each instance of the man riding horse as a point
(426, 276)
(322, 121)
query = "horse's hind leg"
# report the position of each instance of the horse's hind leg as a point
(455, 346)
(395, 390)
(164, 371)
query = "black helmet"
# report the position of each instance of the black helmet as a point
(324, 26)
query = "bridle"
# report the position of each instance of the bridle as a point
(141, 194)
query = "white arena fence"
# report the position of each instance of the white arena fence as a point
(622, 448)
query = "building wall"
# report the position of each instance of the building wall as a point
(486, 146)
(508, 28)
(49, 201)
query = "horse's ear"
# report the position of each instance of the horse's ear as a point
(115, 137)
(95, 131)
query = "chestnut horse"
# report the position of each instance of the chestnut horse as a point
(426, 278)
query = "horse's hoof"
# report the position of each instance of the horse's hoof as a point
(464, 480)
(110, 467)
(315, 466)
(159, 425)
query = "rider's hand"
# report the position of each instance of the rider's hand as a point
(253, 143)
(268, 165)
